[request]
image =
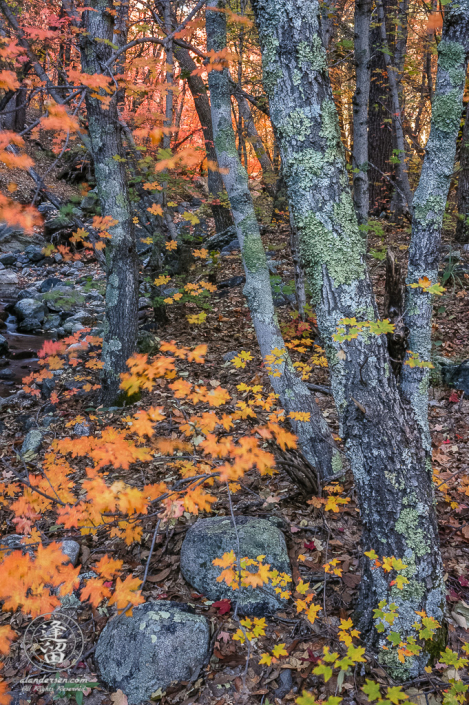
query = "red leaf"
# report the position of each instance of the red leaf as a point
(311, 545)
(454, 398)
(223, 606)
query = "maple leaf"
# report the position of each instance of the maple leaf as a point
(197, 499)
(156, 209)
(279, 650)
(7, 635)
(223, 606)
(126, 592)
(108, 567)
(95, 592)
(265, 658)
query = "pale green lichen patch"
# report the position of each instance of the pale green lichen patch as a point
(446, 111)
(254, 254)
(296, 125)
(451, 58)
(321, 246)
(330, 128)
(312, 54)
(431, 211)
(408, 526)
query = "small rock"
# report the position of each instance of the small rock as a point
(456, 376)
(210, 538)
(47, 386)
(34, 253)
(49, 284)
(231, 283)
(8, 277)
(232, 246)
(286, 683)
(29, 294)
(82, 429)
(227, 357)
(13, 542)
(2, 266)
(71, 549)
(143, 302)
(160, 643)
(3, 345)
(78, 265)
(8, 259)
(31, 444)
(147, 342)
(6, 374)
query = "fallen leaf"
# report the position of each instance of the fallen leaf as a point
(162, 575)
(119, 698)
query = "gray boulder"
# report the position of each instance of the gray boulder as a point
(30, 308)
(31, 444)
(7, 276)
(3, 345)
(15, 239)
(160, 643)
(210, 538)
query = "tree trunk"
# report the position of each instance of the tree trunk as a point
(430, 201)
(360, 110)
(402, 175)
(462, 226)
(314, 437)
(222, 215)
(380, 140)
(392, 471)
(268, 175)
(120, 332)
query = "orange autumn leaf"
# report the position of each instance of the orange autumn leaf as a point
(108, 567)
(94, 591)
(126, 592)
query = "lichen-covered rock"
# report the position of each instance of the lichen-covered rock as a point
(3, 345)
(160, 643)
(210, 538)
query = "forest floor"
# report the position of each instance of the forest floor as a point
(309, 531)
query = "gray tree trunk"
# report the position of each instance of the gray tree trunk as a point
(360, 109)
(402, 173)
(314, 437)
(462, 226)
(268, 175)
(392, 470)
(430, 201)
(120, 332)
(197, 88)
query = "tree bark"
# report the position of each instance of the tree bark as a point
(397, 119)
(462, 226)
(360, 109)
(380, 139)
(268, 175)
(392, 471)
(314, 437)
(430, 201)
(121, 320)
